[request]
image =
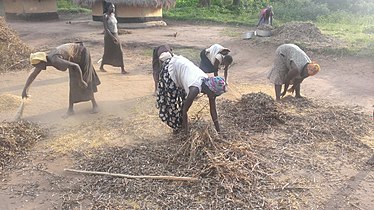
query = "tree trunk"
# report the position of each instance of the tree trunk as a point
(204, 3)
(236, 2)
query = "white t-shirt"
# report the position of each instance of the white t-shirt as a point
(213, 53)
(185, 73)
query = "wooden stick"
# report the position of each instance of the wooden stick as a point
(174, 178)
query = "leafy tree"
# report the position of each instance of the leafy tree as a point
(204, 3)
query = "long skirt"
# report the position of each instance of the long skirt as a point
(113, 54)
(205, 63)
(278, 73)
(76, 92)
(170, 99)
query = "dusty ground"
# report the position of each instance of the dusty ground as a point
(127, 100)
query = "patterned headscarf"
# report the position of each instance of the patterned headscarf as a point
(216, 84)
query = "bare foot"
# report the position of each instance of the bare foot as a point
(124, 72)
(68, 114)
(102, 69)
(94, 110)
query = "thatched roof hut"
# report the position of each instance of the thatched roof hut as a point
(130, 11)
(30, 9)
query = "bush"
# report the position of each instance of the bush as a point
(299, 10)
(67, 6)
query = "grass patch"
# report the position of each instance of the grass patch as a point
(67, 6)
(212, 14)
(356, 31)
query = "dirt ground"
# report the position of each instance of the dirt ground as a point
(342, 80)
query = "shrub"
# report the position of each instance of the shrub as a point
(300, 10)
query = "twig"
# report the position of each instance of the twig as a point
(174, 178)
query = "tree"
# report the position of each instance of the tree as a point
(204, 3)
(236, 3)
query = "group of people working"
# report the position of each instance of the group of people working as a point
(178, 81)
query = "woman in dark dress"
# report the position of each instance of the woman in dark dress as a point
(83, 78)
(113, 54)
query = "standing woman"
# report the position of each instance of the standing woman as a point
(213, 58)
(113, 54)
(83, 80)
(291, 66)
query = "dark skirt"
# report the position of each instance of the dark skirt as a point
(170, 99)
(113, 54)
(205, 63)
(77, 93)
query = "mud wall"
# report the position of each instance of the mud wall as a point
(127, 14)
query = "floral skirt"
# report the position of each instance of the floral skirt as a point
(170, 99)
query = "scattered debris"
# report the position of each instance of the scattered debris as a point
(16, 138)
(239, 168)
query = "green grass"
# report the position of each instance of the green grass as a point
(356, 31)
(212, 14)
(67, 6)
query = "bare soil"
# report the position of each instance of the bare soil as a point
(128, 117)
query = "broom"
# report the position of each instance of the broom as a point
(20, 111)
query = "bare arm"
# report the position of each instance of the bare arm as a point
(226, 73)
(194, 91)
(213, 112)
(292, 73)
(62, 65)
(216, 65)
(29, 80)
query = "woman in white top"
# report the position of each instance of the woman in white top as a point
(113, 54)
(215, 57)
(179, 84)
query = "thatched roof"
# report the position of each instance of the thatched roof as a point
(137, 3)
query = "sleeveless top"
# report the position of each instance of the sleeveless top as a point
(112, 23)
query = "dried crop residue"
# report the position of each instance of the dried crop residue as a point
(13, 52)
(16, 138)
(9, 102)
(277, 159)
(303, 33)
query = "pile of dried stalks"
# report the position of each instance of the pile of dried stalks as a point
(302, 33)
(253, 112)
(13, 52)
(236, 169)
(16, 138)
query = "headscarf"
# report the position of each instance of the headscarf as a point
(164, 56)
(37, 57)
(216, 84)
(315, 67)
(213, 50)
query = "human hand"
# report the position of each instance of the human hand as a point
(291, 90)
(283, 94)
(24, 94)
(115, 40)
(83, 84)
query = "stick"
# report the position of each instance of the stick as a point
(174, 178)
(19, 113)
